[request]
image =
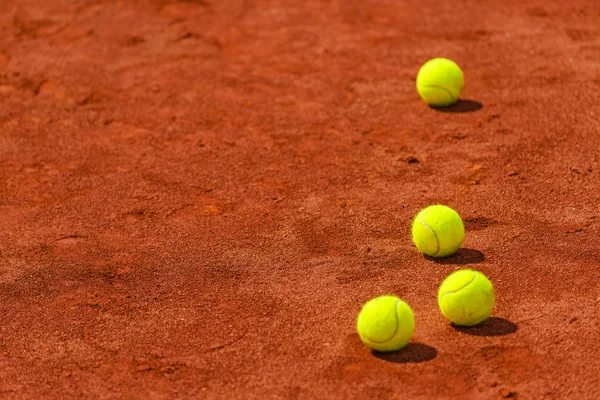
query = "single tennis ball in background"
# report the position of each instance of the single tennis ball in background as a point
(440, 82)
(385, 323)
(466, 297)
(438, 231)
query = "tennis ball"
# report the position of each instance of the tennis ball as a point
(385, 323)
(440, 82)
(438, 231)
(466, 297)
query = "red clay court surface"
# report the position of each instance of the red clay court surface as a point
(196, 197)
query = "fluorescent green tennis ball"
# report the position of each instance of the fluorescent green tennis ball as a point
(438, 231)
(466, 297)
(385, 323)
(440, 82)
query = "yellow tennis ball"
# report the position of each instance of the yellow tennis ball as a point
(385, 323)
(438, 231)
(466, 297)
(440, 82)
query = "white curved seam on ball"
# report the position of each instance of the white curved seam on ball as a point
(467, 284)
(437, 241)
(395, 330)
(443, 88)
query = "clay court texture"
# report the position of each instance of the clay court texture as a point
(196, 197)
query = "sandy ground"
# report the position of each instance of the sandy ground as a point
(196, 197)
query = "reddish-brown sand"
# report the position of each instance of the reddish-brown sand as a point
(196, 197)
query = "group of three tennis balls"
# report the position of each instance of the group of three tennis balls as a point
(465, 297)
